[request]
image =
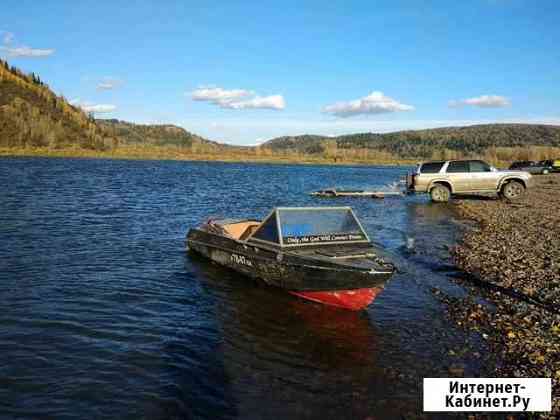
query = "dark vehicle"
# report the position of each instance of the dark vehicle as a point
(535, 168)
(318, 253)
(554, 164)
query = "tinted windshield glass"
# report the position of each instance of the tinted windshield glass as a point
(520, 164)
(458, 167)
(268, 231)
(479, 166)
(431, 168)
(308, 226)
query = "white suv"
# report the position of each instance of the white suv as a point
(441, 179)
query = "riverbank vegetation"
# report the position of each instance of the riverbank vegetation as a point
(32, 115)
(499, 144)
(142, 152)
(35, 121)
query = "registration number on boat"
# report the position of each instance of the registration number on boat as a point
(309, 239)
(241, 260)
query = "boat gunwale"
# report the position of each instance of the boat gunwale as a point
(338, 267)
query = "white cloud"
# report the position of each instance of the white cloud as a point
(484, 101)
(99, 108)
(93, 108)
(109, 83)
(24, 51)
(237, 98)
(374, 103)
(7, 37)
(105, 86)
(218, 95)
(258, 102)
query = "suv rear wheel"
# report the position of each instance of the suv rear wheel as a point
(440, 193)
(513, 190)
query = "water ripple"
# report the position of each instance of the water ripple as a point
(105, 316)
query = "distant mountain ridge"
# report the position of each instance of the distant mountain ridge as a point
(476, 139)
(33, 116)
(153, 134)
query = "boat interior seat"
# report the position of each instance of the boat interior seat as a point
(240, 230)
(250, 230)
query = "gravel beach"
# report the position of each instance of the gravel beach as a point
(512, 261)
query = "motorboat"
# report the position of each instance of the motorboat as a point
(322, 254)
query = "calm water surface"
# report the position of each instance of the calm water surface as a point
(104, 314)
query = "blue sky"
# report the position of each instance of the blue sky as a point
(242, 72)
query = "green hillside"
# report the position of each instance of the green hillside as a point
(31, 115)
(156, 135)
(464, 141)
(35, 120)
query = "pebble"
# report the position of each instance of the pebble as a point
(514, 255)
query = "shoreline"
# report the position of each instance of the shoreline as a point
(512, 261)
(133, 153)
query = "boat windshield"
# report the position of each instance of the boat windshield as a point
(309, 226)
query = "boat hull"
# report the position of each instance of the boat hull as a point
(334, 286)
(354, 300)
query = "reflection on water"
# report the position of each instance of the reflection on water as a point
(269, 318)
(296, 358)
(106, 316)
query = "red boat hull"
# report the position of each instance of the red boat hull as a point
(354, 300)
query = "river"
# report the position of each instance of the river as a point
(104, 314)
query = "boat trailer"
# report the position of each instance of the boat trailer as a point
(333, 192)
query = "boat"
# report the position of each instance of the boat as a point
(333, 192)
(322, 254)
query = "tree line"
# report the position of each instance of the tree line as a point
(32, 115)
(498, 142)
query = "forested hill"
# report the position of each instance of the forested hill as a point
(155, 135)
(32, 115)
(471, 140)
